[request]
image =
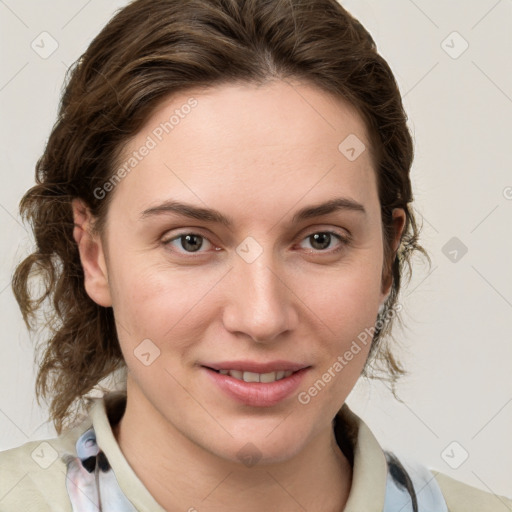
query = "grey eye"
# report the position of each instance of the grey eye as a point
(188, 242)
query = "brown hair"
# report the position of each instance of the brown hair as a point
(149, 50)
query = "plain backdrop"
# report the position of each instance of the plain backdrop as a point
(453, 65)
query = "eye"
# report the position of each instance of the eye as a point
(188, 242)
(321, 240)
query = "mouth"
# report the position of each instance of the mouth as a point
(255, 377)
(267, 387)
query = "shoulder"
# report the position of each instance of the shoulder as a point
(411, 487)
(33, 476)
(28, 474)
(461, 497)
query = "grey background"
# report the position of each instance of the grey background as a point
(458, 397)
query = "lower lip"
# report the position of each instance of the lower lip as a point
(257, 394)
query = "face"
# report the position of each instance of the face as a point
(215, 258)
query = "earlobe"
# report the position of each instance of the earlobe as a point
(92, 255)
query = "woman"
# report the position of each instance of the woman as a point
(223, 210)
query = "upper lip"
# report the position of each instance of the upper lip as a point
(256, 367)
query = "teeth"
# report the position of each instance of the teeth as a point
(251, 377)
(267, 377)
(236, 374)
(257, 377)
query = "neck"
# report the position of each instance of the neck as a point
(180, 475)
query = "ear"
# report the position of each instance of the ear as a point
(399, 219)
(92, 255)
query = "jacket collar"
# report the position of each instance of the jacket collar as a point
(368, 487)
(369, 466)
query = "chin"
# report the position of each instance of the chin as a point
(259, 453)
(262, 442)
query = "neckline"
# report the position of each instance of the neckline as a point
(369, 466)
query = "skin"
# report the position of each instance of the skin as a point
(258, 155)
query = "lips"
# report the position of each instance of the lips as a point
(257, 384)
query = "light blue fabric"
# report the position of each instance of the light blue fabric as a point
(428, 492)
(91, 482)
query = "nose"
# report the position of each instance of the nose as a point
(261, 304)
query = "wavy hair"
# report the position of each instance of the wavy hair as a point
(149, 50)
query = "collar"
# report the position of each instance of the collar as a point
(367, 491)
(369, 466)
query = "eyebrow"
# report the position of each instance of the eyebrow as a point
(211, 215)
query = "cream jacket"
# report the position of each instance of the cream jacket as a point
(84, 470)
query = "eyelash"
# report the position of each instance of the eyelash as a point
(344, 240)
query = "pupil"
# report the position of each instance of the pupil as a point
(192, 242)
(323, 239)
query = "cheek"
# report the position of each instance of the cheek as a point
(345, 306)
(346, 312)
(157, 302)
(345, 298)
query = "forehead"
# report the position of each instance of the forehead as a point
(254, 114)
(260, 142)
